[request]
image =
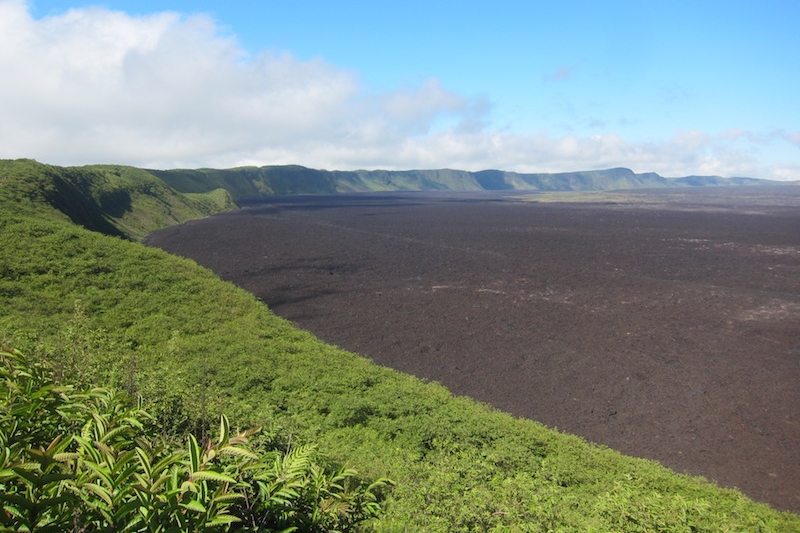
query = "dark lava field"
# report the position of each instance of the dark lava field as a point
(664, 324)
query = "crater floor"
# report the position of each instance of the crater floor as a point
(664, 324)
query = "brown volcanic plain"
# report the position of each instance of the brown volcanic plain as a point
(664, 324)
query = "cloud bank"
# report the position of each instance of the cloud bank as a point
(166, 90)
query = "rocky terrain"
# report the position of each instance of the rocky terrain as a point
(662, 324)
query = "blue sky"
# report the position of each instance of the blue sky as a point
(676, 87)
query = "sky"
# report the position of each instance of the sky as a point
(698, 87)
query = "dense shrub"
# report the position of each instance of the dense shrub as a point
(93, 461)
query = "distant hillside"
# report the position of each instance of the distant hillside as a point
(112, 199)
(130, 202)
(253, 182)
(601, 180)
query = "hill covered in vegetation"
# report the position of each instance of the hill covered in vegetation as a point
(78, 292)
(252, 182)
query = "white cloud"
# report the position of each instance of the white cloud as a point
(94, 84)
(165, 90)
(786, 172)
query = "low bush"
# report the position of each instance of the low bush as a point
(94, 461)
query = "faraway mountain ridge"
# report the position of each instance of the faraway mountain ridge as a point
(131, 201)
(252, 182)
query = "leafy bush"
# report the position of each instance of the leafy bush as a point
(92, 461)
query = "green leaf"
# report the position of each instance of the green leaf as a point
(113, 433)
(101, 472)
(101, 492)
(239, 452)
(224, 430)
(223, 519)
(194, 505)
(10, 509)
(208, 475)
(66, 456)
(194, 454)
(144, 461)
(228, 497)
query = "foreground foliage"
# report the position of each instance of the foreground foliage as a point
(91, 461)
(108, 311)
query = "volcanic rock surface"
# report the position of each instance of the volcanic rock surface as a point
(664, 324)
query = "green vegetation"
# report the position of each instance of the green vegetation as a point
(252, 182)
(102, 310)
(93, 461)
(115, 200)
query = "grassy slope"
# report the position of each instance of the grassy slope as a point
(116, 200)
(615, 178)
(411, 180)
(107, 309)
(252, 182)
